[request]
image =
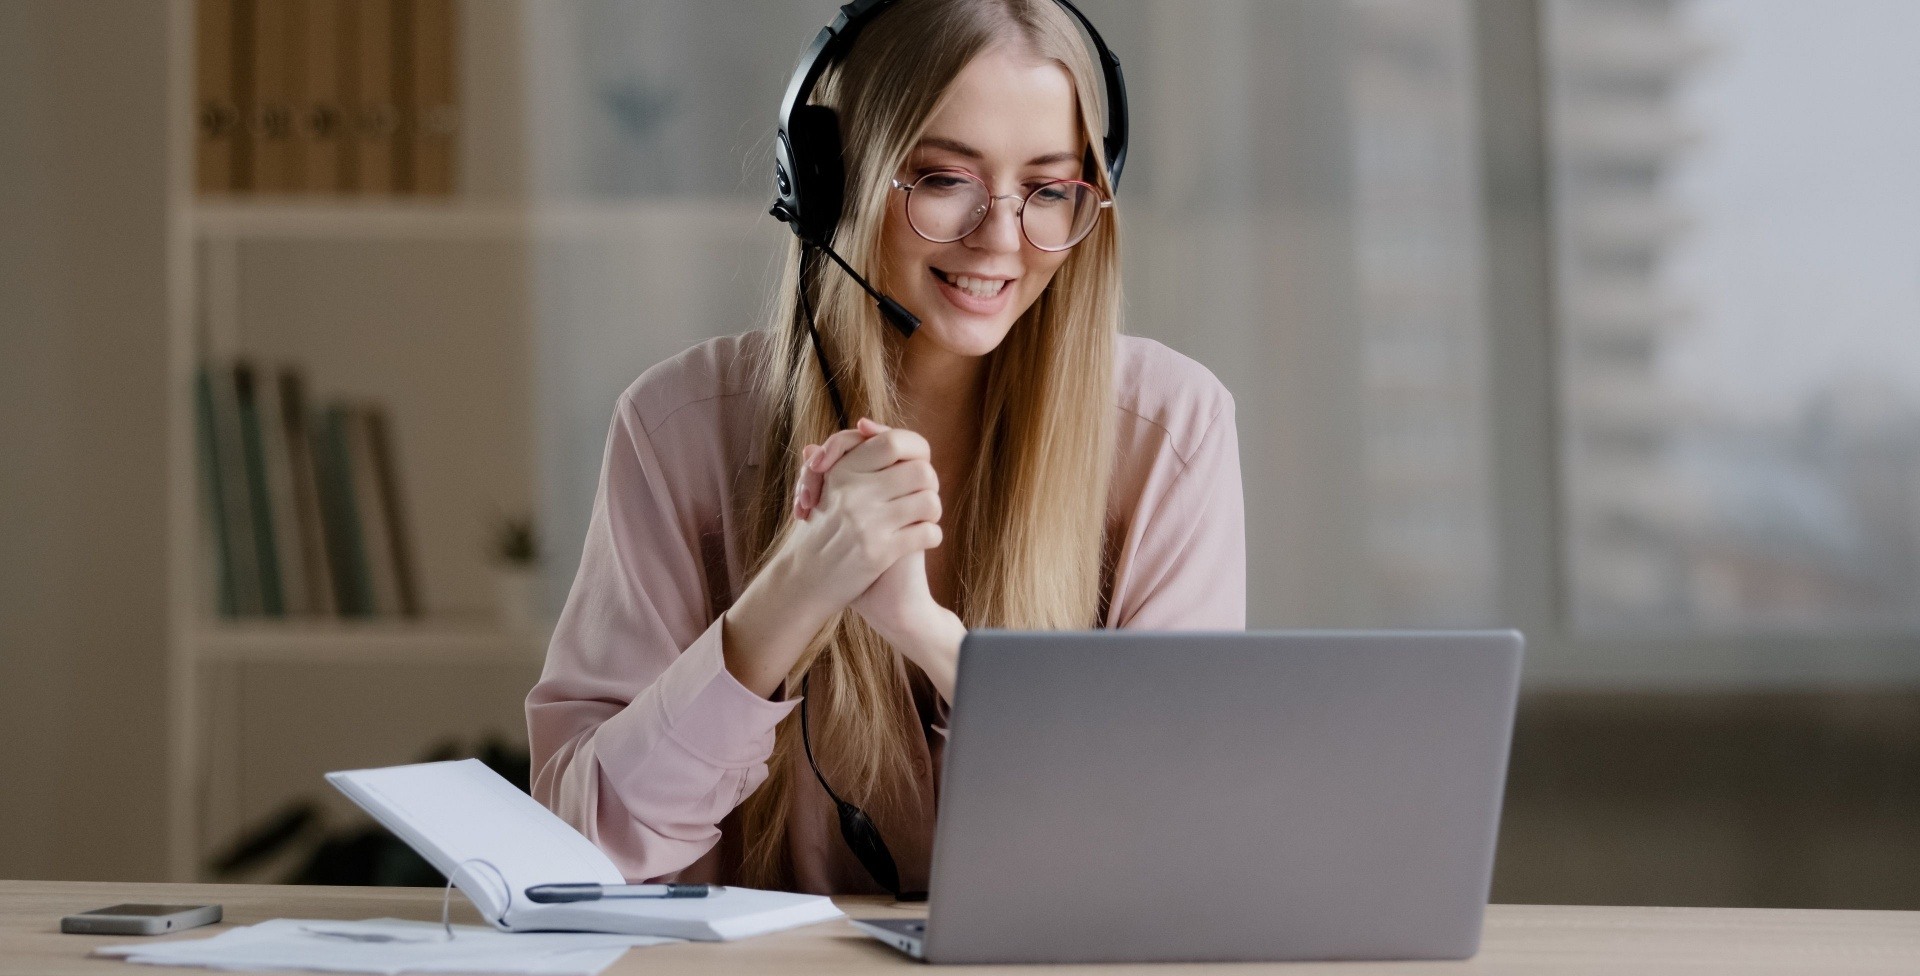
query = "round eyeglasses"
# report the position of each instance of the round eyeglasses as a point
(947, 205)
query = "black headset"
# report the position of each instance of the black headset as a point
(809, 175)
(809, 180)
(809, 171)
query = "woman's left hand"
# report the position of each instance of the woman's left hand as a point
(900, 604)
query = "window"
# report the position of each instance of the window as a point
(1738, 277)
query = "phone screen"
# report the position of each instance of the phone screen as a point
(141, 910)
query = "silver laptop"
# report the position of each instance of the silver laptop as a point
(1134, 796)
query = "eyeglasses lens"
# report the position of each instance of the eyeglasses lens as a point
(945, 207)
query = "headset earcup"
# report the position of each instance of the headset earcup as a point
(786, 199)
(819, 175)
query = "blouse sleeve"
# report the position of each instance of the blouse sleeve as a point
(640, 736)
(1184, 564)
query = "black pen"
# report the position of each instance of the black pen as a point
(587, 891)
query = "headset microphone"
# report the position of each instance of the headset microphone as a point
(895, 313)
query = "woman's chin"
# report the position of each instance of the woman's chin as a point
(963, 335)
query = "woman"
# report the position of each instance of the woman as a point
(1018, 464)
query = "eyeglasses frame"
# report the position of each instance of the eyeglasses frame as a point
(1020, 215)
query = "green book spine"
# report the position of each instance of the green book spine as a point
(215, 510)
(243, 557)
(271, 603)
(352, 581)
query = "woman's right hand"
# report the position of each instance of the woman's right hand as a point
(881, 502)
(866, 498)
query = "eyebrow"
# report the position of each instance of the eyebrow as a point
(961, 148)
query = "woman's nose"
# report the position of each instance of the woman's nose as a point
(1000, 231)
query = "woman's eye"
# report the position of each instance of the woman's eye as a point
(942, 181)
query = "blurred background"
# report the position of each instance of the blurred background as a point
(1596, 318)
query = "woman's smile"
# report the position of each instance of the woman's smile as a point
(975, 295)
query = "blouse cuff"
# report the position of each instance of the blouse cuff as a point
(702, 707)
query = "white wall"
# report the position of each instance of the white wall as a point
(82, 439)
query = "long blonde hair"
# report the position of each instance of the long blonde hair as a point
(1026, 530)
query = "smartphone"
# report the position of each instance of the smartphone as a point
(140, 919)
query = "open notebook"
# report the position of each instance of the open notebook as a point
(463, 817)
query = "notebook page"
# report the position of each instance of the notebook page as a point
(731, 913)
(451, 812)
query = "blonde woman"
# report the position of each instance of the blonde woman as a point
(1017, 463)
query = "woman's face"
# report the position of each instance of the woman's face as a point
(1012, 122)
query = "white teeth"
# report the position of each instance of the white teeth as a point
(977, 287)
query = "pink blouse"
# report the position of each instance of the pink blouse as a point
(641, 737)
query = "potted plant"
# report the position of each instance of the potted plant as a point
(516, 572)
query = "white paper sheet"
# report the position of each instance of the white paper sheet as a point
(386, 945)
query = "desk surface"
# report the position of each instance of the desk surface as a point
(1533, 940)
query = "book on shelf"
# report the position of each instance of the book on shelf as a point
(259, 505)
(217, 124)
(424, 79)
(221, 438)
(376, 523)
(268, 102)
(319, 134)
(345, 545)
(304, 504)
(371, 100)
(283, 516)
(326, 96)
(380, 451)
(214, 495)
(317, 563)
(362, 533)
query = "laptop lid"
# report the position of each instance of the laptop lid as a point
(1120, 796)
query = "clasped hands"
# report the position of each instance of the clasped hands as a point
(868, 504)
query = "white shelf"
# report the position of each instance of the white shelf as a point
(236, 219)
(350, 219)
(477, 642)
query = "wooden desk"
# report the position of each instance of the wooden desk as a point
(1523, 940)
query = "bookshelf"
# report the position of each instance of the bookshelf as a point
(496, 322)
(352, 288)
